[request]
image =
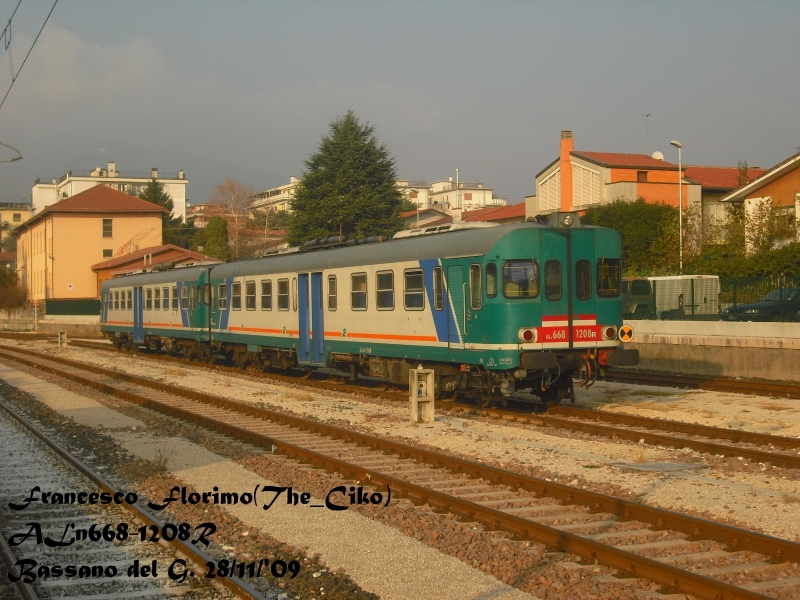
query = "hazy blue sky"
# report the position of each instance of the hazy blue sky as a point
(246, 89)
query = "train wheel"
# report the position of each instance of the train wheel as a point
(487, 399)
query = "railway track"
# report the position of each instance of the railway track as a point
(685, 554)
(108, 553)
(756, 447)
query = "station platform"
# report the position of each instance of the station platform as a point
(719, 348)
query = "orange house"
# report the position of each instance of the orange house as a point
(580, 179)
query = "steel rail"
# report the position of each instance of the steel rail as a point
(232, 583)
(736, 539)
(717, 384)
(25, 590)
(734, 435)
(787, 461)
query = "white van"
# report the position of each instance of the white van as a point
(687, 297)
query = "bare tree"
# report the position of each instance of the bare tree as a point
(231, 200)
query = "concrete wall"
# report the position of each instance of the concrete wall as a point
(717, 348)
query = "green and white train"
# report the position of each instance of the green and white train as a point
(491, 308)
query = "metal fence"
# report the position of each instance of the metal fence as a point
(710, 298)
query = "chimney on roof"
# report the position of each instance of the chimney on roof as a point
(565, 163)
(154, 173)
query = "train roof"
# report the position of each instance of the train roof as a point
(151, 277)
(468, 242)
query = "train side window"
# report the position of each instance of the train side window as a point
(294, 294)
(116, 300)
(608, 277)
(384, 290)
(165, 300)
(414, 297)
(174, 297)
(283, 294)
(250, 295)
(358, 291)
(207, 294)
(193, 297)
(130, 299)
(332, 292)
(552, 280)
(521, 279)
(266, 294)
(157, 299)
(583, 279)
(185, 297)
(236, 296)
(149, 299)
(222, 296)
(438, 288)
(491, 280)
(475, 287)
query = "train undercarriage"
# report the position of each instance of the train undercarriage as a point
(550, 376)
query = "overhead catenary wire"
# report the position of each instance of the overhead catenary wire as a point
(2, 35)
(14, 77)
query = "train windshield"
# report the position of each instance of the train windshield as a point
(521, 279)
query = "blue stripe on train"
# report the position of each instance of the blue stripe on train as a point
(444, 320)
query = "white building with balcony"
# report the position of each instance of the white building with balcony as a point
(276, 199)
(46, 193)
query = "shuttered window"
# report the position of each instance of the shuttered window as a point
(550, 192)
(585, 186)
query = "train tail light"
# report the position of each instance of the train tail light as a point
(527, 335)
(609, 332)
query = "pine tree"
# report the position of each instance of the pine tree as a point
(349, 188)
(173, 229)
(154, 192)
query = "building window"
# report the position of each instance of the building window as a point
(108, 231)
(467, 195)
(475, 287)
(785, 222)
(130, 299)
(331, 292)
(116, 300)
(236, 296)
(491, 280)
(185, 297)
(358, 291)
(166, 298)
(266, 294)
(414, 293)
(222, 296)
(174, 298)
(583, 279)
(108, 253)
(283, 294)
(17, 217)
(384, 290)
(149, 302)
(158, 299)
(250, 295)
(438, 288)
(641, 176)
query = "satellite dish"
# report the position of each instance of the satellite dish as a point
(657, 155)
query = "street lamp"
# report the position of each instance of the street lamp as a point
(678, 145)
(413, 191)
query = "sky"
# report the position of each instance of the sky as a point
(246, 89)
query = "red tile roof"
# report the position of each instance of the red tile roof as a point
(633, 161)
(722, 178)
(178, 254)
(102, 198)
(496, 213)
(8, 257)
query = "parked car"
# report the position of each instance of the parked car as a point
(638, 300)
(779, 305)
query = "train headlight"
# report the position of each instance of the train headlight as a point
(609, 332)
(527, 335)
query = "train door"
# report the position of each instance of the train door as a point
(138, 315)
(311, 347)
(585, 330)
(201, 307)
(456, 327)
(555, 290)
